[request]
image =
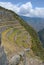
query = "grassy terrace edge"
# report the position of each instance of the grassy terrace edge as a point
(36, 44)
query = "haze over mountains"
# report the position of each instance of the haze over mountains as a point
(35, 22)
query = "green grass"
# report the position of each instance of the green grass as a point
(20, 41)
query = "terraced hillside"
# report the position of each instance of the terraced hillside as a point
(17, 35)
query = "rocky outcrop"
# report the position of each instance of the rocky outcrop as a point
(18, 58)
(15, 60)
(22, 59)
(3, 58)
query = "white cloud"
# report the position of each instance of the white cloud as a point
(10, 6)
(24, 9)
(27, 10)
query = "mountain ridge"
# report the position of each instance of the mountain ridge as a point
(17, 30)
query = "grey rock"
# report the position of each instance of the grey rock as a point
(3, 57)
(15, 60)
(27, 50)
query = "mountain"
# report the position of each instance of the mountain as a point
(41, 36)
(36, 23)
(20, 40)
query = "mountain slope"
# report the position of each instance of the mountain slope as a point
(17, 35)
(36, 23)
(41, 36)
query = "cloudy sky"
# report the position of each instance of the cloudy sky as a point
(30, 8)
